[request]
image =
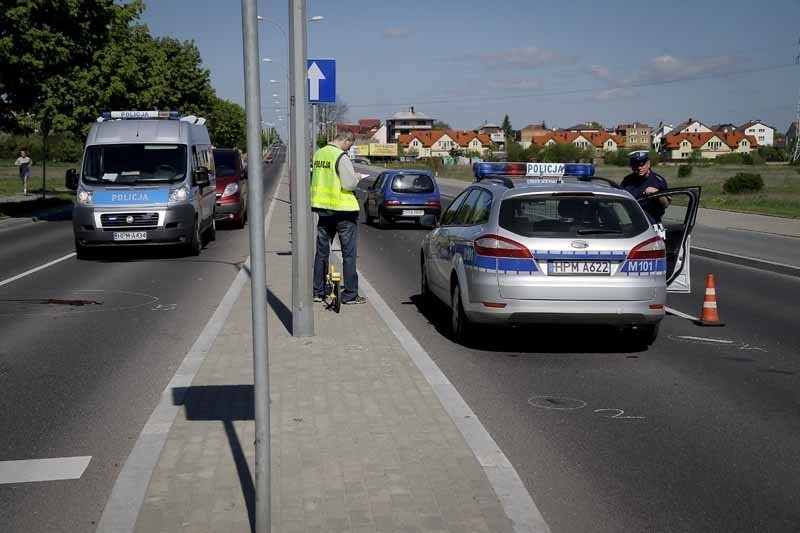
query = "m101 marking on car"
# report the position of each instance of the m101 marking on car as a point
(644, 267)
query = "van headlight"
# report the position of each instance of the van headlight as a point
(179, 195)
(230, 189)
(85, 198)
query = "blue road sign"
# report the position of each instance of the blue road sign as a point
(321, 81)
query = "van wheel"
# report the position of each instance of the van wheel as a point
(211, 232)
(459, 323)
(195, 244)
(82, 253)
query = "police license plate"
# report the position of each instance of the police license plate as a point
(413, 212)
(130, 236)
(566, 268)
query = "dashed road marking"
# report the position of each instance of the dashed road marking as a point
(37, 470)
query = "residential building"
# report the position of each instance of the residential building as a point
(526, 134)
(661, 131)
(495, 133)
(364, 130)
(599, 140)
(440, 143)
(711, 144)
(764, 134)
(637, 135)
(690, 126)
(725, 128)
(406, 122)
(586, 127)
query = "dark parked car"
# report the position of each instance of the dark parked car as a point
(231, 186)
(402, 195)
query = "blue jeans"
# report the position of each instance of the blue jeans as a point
(345, 223)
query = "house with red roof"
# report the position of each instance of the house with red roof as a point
(597, 139)
(711, 144)
(439, 143)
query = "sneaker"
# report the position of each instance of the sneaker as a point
(318, 299)
(356, 300)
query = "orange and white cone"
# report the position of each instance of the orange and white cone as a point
(710, 314)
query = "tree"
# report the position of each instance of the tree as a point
(439, 125)
(41, 44)
(334, 113)
(227, 124)
(507, 129)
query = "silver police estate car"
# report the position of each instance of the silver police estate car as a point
(531, 243)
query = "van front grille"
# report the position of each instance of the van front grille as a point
(129, 220)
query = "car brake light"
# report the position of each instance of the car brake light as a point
(650, 249)
(391, 202)
(497, 246)
(435, 203)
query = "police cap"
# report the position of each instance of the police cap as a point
(638, 158)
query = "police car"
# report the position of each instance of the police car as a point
(533, 243)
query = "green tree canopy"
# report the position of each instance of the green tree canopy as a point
(507, 129)
(440, 125)
(227, 124)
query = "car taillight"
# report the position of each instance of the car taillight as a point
(497, 246)
(650, 249)
(391, 202)
(435, 203)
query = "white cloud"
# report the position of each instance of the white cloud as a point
(615, 93)
(668, 68)
(520, 85)
(396, 33)
(524, 58)
(600, 72)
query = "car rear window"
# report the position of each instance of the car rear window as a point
(225, 163)
(587, 217)
(412, 183)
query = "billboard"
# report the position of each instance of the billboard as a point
(383, 150)
(359, 150)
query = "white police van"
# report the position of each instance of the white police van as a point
(147, 178)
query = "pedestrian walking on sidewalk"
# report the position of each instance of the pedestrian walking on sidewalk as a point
(333, 181)
(643, 182)
(24, 163)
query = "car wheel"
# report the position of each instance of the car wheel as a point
(382, 220)
(424, 287)
(211, 232)
(641, 337)
(241, 221)
(459, 323)
(195, 244)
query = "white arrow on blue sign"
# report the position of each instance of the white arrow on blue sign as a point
(321, 81)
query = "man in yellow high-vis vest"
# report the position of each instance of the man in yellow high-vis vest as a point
(333, 181)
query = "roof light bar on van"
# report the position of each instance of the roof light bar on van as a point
(138, 115)
(533, 170)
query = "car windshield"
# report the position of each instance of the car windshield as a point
(225, 163)
(412, 183)
(135, 164)
(589, 217)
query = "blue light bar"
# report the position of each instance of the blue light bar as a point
(541, 170)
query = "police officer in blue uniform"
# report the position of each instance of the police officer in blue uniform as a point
(643, 182)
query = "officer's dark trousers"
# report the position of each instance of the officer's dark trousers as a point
(345, 223)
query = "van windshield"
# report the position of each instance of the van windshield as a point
(135, 164)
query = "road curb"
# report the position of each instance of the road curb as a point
(778, 268)
(13, 222)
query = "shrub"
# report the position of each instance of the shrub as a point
(684, 171)
(742, 183)
(730, 159)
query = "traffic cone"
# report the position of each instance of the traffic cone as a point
(710, 316)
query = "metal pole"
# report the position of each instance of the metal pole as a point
(313, 128)
(258, 265)
(302, 250)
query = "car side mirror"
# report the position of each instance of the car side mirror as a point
(71, 179)
(201, 177)
(428, 221)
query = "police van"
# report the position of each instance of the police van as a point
(146, 178)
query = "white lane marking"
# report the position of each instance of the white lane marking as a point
(127, 495)
(704, 339)
(514, 497)
(33, 470)
(37, 269)
(678, 313)
(747, 258)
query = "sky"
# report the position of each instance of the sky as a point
(466, 62)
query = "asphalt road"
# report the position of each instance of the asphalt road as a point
(701, 432)
(81, 380)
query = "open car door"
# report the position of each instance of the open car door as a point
(678, 222)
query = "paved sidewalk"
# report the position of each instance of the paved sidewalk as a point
(360, 441)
